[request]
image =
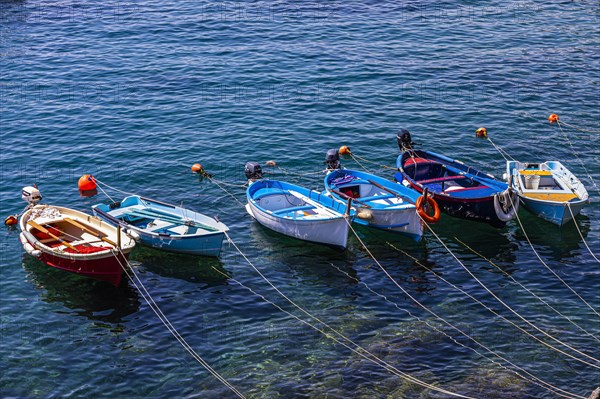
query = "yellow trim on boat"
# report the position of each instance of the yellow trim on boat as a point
(536, 172)
(556, 197)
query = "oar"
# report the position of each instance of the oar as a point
(170, 218)
(44, 230)
(346, 197)
(389, 191)
(82, 227)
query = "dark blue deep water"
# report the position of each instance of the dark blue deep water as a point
(136, 92)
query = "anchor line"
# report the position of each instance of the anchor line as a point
(357, 348)
(580, 234)
(528, 290)
(167, 323)
(577, 156)
(532, 378)
(518, 315)
(548, 267)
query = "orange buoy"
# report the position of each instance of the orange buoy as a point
(553, 118)
(481, 133)
(10, 220)
(345, 150)
(86, 183)
(196, 168)
(271, 163)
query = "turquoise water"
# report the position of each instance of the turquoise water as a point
(136, 92)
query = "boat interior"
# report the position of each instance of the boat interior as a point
(366, 193)
(157, 222)
(290, 204)
(538, 182)
(67, 234)
(440, 178)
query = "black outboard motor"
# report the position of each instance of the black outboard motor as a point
(332, 159)
(404, 140)
(253, 171)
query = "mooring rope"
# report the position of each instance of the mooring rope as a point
(577, 156)
(499, 300)
(580, 234)
(580, 129)
(528, 290)
(548, 267)
(501, 151)
(112, 188)
(167, 323)
(358, 349)
(532, 378)
(354, 156)
(230, 194)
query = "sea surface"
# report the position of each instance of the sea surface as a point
(136, 92)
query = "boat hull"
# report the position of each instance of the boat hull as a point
(107, 269)
(556, 213)
(201, 246)
(333, 232)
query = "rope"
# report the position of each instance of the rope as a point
(156, 309)
(580, 234)
(527, 289)
(548, 267)
(224, 189)
(580, 129)
(577, 156)
(533, 378)
(112, 188)
(372, 162)
(501, 151)
(518, 315)
(377, 360)
(358, 162)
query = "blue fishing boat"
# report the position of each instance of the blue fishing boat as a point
(379, 203)
(296, 211)
(459, 189)
(165, 226)
(547, 190)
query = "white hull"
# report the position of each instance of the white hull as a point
(330, 232)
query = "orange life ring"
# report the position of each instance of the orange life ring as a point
(421, 209)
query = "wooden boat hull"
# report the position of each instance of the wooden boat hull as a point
(555, 190)
(96, 259)
(382, 213)
(201, 242)
(480, 200)
(332, 230)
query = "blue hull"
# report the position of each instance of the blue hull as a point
(557, 214)
(164, 226)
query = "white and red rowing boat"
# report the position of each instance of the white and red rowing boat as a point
(73, 241)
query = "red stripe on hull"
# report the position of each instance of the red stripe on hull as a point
(104, 269)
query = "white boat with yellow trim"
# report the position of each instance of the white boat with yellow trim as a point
(548, 189)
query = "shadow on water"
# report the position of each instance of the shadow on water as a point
(194, 269)
(560, 243)
(90, 298)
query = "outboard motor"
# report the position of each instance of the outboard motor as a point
(31, 195)
(253, 171)
(332, 159)
(404, 140)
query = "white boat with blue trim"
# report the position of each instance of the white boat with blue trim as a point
(548, 189)
(165, 226)
(296, 211)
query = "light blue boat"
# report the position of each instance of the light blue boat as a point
(165, 226)
(548, 190)
(379, 203)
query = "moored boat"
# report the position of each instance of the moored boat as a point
(459, 189)
(296, 211)
(165, 226)
(73, 241)
(379, 203)
(547, 189)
